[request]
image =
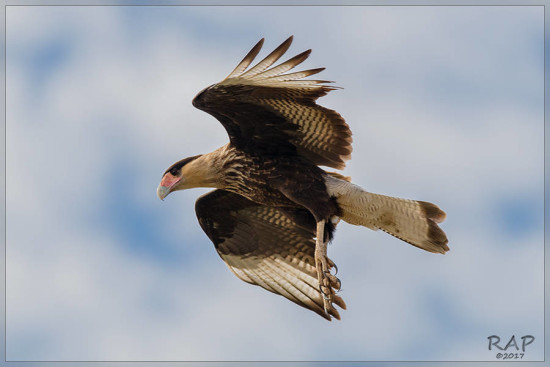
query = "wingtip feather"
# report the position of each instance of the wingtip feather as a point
(247, 60)
(269, 59)
(280, 69)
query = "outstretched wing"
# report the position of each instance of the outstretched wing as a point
(265, 246)
(270, 111)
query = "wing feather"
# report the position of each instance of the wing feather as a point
(247, 60)
(285, 66)
(292, 76)
(297, 290)
(268, 60)
(265, 246)
(267, 110)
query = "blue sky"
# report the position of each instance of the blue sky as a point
(445, 103)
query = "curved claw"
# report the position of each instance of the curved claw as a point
(334, 281)
(331, 264)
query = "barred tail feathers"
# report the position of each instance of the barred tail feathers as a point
(414, 222)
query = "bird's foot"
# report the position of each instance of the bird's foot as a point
(328, 282)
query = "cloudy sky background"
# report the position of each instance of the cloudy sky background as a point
(445, 103)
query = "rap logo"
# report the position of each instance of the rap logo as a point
(525, 341)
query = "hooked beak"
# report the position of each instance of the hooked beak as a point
(162, 192)
(167, 185)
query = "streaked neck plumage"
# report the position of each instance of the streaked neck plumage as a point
(208, 170)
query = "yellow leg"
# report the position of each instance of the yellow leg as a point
(322, 266)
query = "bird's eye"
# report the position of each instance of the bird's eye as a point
(174, 171)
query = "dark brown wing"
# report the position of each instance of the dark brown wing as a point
(273, 112)
(265, 246)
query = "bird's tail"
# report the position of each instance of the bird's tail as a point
(412, 221)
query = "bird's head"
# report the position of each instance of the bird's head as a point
(182, 175)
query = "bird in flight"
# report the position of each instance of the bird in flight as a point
(274, 210)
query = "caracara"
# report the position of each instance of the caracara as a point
(274, 210)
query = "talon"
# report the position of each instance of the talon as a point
(331, 264)
(335, 282)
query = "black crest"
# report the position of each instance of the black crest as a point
(176, 167)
